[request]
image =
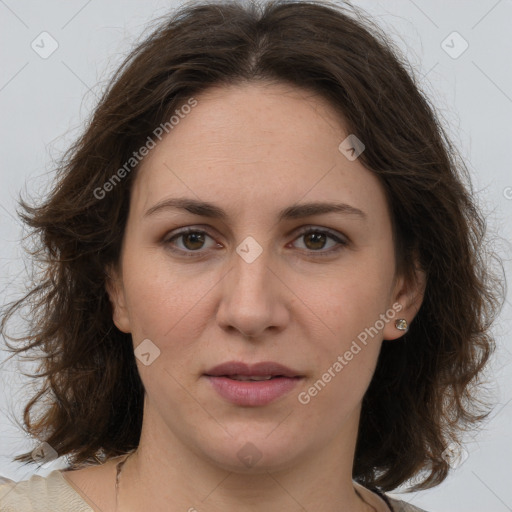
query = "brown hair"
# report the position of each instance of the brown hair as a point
(422, 395)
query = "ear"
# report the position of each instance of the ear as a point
(407, 298)
(115, 290)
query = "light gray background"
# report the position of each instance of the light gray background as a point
(44, 102)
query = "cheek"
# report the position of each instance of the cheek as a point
(351, 310)
(169, 309)
(345, 358)
(161, 297)
(351, 297)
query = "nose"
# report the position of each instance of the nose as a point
(253, 297)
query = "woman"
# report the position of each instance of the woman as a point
(264, 284)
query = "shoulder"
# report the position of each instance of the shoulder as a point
(402, 506)
(41, 494)
(385, 502)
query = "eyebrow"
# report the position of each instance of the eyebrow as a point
(296, 211)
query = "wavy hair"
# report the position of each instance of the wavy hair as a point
(426, 388)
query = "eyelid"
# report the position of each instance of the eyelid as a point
(334, 234)
(184, 231)
(342, 240)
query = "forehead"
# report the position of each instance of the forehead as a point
(259, 145)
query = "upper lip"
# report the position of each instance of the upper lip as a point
(255, 370)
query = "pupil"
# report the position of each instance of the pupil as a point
(317, 238)
(196, 238)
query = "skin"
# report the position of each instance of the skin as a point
(251, 149)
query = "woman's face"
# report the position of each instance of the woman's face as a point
(254, 286)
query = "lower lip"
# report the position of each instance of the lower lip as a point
(252, 393)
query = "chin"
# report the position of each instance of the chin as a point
(253, 455)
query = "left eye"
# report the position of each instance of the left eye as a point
(315, 239)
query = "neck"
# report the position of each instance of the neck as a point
(169, 476)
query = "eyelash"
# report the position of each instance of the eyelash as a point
(305, 231)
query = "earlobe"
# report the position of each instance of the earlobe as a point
(407, 301)
(115, 291)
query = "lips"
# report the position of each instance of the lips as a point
(252, 385)
(242, 371)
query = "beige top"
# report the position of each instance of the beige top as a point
(54, 493)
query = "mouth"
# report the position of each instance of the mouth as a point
(265, 370)
(252, 385)
(252, 377)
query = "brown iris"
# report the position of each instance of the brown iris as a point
(316, 238)
(196, 238)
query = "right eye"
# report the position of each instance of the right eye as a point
(192, 240)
